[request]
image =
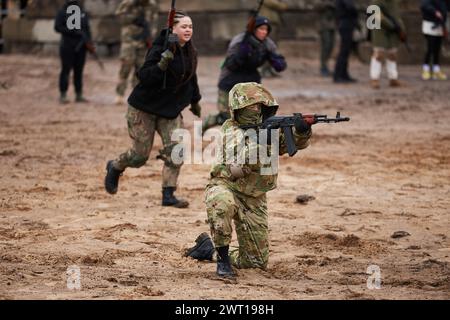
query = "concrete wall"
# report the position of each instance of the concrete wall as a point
(215, 22)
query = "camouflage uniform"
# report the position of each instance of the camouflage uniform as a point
(327, 26)
(385, 42)
(243, 199)
(135, 34)
(272, 10)
(141, 128)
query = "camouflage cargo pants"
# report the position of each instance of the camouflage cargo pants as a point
(141, 128)
(250, 219)
(132, 57)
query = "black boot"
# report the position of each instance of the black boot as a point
(169, 200)
(203, 250)
(223, 263)
(63, 98)
(79, 98)
(112, 178)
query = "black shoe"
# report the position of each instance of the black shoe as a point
(350, 79)
(80, 99)
(169, 200)
(203, 250)
(324, 72)
(112, 178)
(344, 80)
(224, 268)
(63, 98)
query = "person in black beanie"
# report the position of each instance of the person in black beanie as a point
(246, 53)
(72, 49)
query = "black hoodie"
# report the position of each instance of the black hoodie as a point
(181, 86)
(429, 8)
(72, 38)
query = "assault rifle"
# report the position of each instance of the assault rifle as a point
(85, 41)
(252, 19)
(170, 38)
(287, 122)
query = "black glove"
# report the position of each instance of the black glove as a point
(301, 126)
(277, 62)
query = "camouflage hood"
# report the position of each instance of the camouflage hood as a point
(249, 93)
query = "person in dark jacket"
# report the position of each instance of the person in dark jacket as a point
(327, 27)
(434, 13)
(246, 53)
(72, 49)
(347, 18)
(155, 105)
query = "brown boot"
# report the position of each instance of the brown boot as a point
(394, 83)
(375, 84)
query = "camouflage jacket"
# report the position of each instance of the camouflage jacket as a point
(254, 183)
(272, 9)
(138, 19)
(387, 37)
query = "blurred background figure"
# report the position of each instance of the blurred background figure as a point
(347, 19)
(72, 50)
(246, 53)
(272, 9)
(385, 42)
(434, 13)
(136, 38)
(327, 27)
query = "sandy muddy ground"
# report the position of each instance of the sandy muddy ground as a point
(387, 170)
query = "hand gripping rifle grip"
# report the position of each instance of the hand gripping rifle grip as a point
(289, 136)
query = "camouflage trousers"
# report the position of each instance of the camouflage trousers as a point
(132, 57)
(250, 219)
(224, 112)
(141, 128)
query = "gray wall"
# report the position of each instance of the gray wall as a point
(215, 22)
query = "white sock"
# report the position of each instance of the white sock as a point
(391, 67)
(375, 69)
(436, 68)
(426, 67)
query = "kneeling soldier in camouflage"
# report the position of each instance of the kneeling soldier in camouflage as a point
(238, 191)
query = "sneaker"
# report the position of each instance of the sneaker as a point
(439, 76)
(426, 75)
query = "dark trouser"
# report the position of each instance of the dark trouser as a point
(434, 44)
(341, 69)
(71, 59)
(326, 47)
